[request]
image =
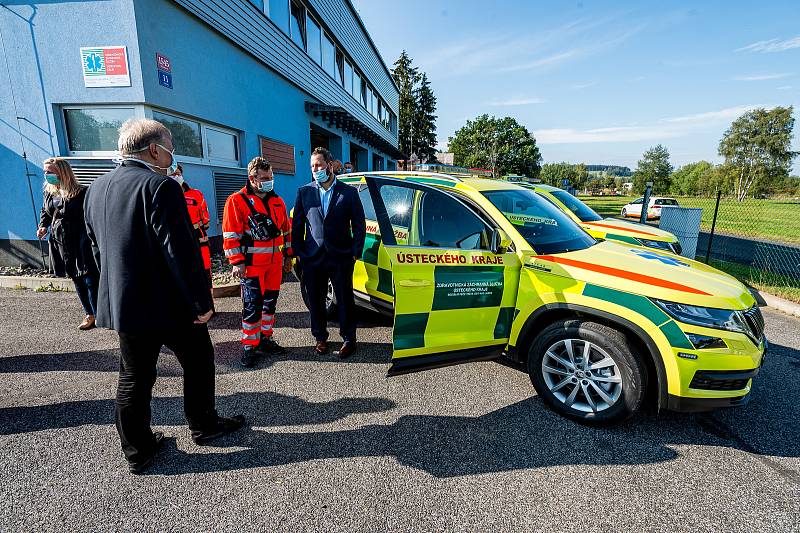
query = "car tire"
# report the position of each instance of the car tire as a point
(330, 299)
(615, 391)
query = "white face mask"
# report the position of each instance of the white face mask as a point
(178, 178)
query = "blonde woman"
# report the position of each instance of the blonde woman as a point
(70, 248)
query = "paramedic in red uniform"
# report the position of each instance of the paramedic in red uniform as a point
(198, 214)
(256, 239)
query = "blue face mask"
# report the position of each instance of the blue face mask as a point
(266, 186)
(52, 179)
(321, 175)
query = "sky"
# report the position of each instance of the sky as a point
(599, 82)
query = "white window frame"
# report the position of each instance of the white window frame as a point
(204, 128)
(138, 112)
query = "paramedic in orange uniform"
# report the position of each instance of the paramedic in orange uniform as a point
(198, 213)
(256, 239)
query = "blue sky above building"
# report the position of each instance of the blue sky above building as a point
(600, 81)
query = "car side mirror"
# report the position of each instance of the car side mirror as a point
(500, 242)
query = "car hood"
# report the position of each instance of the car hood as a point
(630, 229)
(649, 273)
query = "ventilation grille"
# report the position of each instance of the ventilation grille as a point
(225, 184)
(755, 321)
(88, 170)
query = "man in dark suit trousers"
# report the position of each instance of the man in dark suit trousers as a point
(328, 231)
(153, 290)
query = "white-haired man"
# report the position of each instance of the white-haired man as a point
(153, 290)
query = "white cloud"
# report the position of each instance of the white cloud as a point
(516, 102)
(722, 114)
(554, 59)
(666, 128)
(579, 86)
(763, 77)
(784, 87)
(772, 45)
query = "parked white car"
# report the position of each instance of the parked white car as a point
(634, 209)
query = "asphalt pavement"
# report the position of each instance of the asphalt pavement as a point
(336, 446)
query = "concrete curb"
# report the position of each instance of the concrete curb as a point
(778, 303)
(64, 284)
(33, 283)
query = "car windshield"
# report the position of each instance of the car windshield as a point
(581, 210)
(546, 228)
(666, 201)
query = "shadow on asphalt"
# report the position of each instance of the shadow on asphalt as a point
(522, 435)
(298, 320)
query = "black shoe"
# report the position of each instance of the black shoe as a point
(223, 426)
(268, 346)
(141, 466)
(249, 357)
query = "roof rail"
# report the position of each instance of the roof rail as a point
(404, 173)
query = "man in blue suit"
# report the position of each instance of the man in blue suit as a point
(328, 230)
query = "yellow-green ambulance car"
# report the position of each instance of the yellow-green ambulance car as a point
(476, 269)
(608, 228)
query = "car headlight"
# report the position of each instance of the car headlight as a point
(708, 317)
(658, 245)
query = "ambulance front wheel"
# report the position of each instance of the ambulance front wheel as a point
(586, 371)
(330, 298)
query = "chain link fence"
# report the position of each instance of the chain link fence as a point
(756, 239)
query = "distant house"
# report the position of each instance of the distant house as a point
(445, 157)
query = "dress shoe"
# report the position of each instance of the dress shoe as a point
(141, 466)
(321, 348)
(88, 323)
(221, 427)
(268, 346)
(347, 349)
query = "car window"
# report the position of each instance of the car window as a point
(398, 202)
(443, 222)
(546, 228)
(638, 201)
(581, 210)
(366, 201)
(666, 201)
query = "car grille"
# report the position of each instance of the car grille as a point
(755, 321)
(721, 380)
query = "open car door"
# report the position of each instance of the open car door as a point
(455, 288)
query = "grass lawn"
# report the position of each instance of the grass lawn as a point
(774, 220)
(781, 286)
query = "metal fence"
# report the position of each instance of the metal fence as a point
(757, 238)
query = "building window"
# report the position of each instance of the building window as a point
(280, 155)
(314, 36)
(221, 145)
(339, 75)
(348, 77)
(356, 86)
(186, 137)
(364, 101)
(95, 129)
(297, 25)
(329, 56)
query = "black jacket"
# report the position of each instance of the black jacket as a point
(151, 271)
(340, 233)
(70, 249)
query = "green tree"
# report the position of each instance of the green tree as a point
(499, 144)
(757, 147)
(686, 180)
(406, 76)
(425, 120)
(554, 173)
(654, 165)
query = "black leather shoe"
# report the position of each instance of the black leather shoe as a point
(141, 466)
(347, 349)
(249, 357)
(269, 347)
(222, 427)
(321, 348)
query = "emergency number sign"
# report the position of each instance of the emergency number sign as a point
(105, 66)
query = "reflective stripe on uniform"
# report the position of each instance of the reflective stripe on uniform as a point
(233, 251)
(231, 235)
(263, 250)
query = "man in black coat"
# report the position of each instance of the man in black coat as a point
(328, 231)
(153, 290)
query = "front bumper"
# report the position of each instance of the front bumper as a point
(699, 405)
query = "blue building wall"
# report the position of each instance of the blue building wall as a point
(216, 79)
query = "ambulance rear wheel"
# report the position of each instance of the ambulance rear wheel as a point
(586, 371)
(330, 298)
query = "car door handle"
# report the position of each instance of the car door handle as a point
(414, 283)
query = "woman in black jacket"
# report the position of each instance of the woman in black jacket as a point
(70, 248)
